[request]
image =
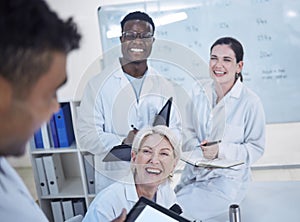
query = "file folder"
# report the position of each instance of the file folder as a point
(89, 167)
(45, 136)
(79, 207)
(54, 173)
(57, 211)
(31, 143)
(67, 209)
(53, 132)
(123, 152)
(50, 135)
(41, 176)
(64, 125)
(38, 140)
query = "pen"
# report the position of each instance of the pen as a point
(133, 127)
(210, 143)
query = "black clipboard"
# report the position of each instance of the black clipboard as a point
(163, 117)
(118, 153)
(144, 204)
(123, 152)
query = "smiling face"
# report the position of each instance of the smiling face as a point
(21, 117)
(137, 49)
(154, 161)
(223, 66)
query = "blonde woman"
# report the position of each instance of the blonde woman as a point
(155, 153)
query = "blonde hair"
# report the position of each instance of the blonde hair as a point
(161, 130)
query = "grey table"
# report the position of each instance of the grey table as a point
(277, 201)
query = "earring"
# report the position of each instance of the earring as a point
(237, 75)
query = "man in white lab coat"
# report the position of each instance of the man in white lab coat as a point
(130, 95)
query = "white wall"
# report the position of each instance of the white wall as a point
(85, 15)
(283, 144)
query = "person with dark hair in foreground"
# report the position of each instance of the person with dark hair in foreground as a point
(34, 44)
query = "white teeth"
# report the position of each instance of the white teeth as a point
(218, 72)
(136, 50)
(154, 171)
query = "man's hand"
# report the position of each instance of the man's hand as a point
(122, 216)
(129, 139)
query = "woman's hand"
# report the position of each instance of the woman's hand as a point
(210, 151)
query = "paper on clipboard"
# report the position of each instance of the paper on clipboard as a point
(196, 159)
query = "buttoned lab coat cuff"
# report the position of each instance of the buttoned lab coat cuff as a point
(221, 153)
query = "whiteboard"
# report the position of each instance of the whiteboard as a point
(268, 29)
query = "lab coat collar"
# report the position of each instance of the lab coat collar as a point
(120, 74)
(130, 190)
(236, 90)
(131, 193)
(150, 81)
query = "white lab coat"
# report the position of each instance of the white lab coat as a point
(108, 109)
(16, 202)
(109, 202)
(239, 121)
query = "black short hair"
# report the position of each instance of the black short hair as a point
(137, 15)
(30, 33)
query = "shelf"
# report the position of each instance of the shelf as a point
(83, 150)
(67, 163)
(72, 188)
(72, 149)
